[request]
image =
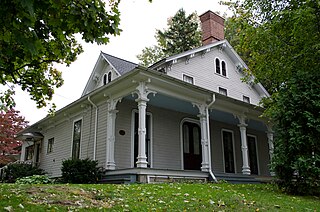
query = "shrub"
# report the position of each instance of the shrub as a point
(34, 179)
(19, 170)
(296, 158)
(81, 171)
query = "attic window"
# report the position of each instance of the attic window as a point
(188, 79)
(223, 91)
(107, 78)
(246, 99)
(221, 67)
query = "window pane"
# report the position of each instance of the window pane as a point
(76, 139)
(223, 91)
(224, 70)
(188, 79)
(218, 66)
(196, 141)
(109, 77)
(186, 148)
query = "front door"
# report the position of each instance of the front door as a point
(136, 138)
(192, 156)
(227, 139)
(253, 159)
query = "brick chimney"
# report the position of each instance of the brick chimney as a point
(212, 27)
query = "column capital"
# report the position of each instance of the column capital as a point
(112, 104)
(143, 91)
(202, 109)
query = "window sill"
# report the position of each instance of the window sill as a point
(220, 75)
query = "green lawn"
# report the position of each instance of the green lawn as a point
(154, 197)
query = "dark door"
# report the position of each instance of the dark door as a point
(192, 156)
(136, 138)
(252, 150)
(228, 151)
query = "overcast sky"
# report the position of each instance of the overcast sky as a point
(139, 21)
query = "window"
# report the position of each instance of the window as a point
(50, 145)
(188, 79)
(218, 66)
(109, 77)
(104, 79)
(221, 67)
(76, 139)
(29, 153)
(246, 99)
(223, 91)
(224, 70)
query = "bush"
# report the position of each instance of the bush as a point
(81, 171)
(35, 179)
(19, 170)
(296, 158)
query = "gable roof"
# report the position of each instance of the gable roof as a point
(119, 65)
(226, 47)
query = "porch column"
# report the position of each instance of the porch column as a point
(142, 100)
(271, 148)
(244, 146)
(111, 122)
(204, 136)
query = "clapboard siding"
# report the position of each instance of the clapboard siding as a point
(101, 134)
(202, 68)
(52, 162)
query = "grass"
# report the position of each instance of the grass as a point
(151, 197)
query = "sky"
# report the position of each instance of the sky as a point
(139, 21)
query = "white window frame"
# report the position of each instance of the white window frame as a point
(257, 152)
(246, 97)
(48, 144)
(184, 76)
(82, 124)
(234, 150)
(133, 160)
(220, 65)
(222, 88)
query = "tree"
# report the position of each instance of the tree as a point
(183, 34)
(35, 34)
(280, 41)
(10, 124)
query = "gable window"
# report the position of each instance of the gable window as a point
(218, 71)
(76, 139)
(50, 145)
(29, 152)
(223, 91)
(224, 70)
(188, 79)
(109, 77)
(104, 79)
(246, 99)
(221, 67)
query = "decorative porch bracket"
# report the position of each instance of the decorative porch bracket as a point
(244, 145)
(111, 121)
(204, 135)
(142, 91)
(270, 133)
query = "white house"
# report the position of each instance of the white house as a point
(187, 116)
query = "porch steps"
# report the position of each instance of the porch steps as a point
(243, 179)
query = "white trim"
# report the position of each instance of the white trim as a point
(257, 152)
(234, 152)
(72, 132)
(191, 120)
(188, 75)
(220, 65)
(150, 146)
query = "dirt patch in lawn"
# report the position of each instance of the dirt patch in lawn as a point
(69, 196)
